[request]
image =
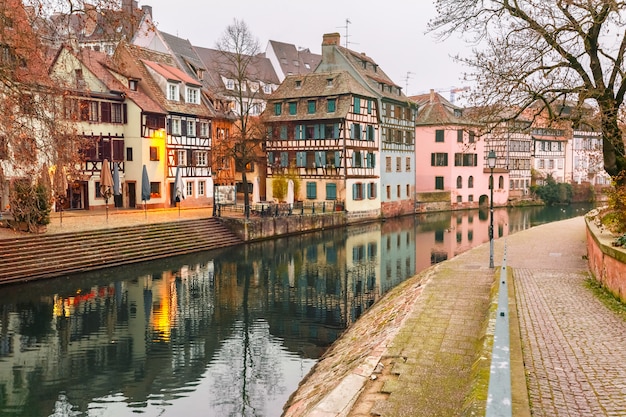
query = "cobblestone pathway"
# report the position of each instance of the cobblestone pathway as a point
(573, 346)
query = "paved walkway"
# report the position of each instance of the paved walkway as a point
(432, 355)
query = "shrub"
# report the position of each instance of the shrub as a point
(30, 204)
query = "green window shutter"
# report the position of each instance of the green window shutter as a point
(369, 106)
(293, 107)
(331, 105)
(301, 159)
(284, 159)
(320, 159)
(270, 158)
(439, 135)
(331, 191)
(337, 159)
(311, 190)
(357, 105)
(278, 109)
(283, 132)
(316, 133)
(432, 159)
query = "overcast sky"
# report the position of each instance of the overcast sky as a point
(392, 32)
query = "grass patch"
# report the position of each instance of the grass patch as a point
(606, 297)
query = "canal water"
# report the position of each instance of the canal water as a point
(221, 333)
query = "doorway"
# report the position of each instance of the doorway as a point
(132, 195)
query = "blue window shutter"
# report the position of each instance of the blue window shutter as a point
(357, 105)
(337, 159)
(283, 132)
(270, 158)
(336, 130)
(320, 159)
(316, 134)
(354, 191)
(284, 159)
(352, 131)
(369, 106)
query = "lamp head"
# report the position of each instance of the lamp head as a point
(491, 159)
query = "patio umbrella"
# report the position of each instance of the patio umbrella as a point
(106, 184)
(256, 191)
(60, 189)
(117, 187)
(290, 196)
(179, 188)
(145, 189)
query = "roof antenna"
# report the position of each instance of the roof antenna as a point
(406, 82)
(346, 28)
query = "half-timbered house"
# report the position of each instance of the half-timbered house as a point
(395, 128)
(183, 140)
(322, 130)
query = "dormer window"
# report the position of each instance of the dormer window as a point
(173, 92)
(193, 95)
(458, 113)
(329, 82)
(132, 85)
(307, 66)
(298, 84)
(230, 84)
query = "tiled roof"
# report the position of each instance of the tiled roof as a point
(434, 110)
(104, 68)
(134, 60)
(288, 55)
(340, 85)
(171, 73)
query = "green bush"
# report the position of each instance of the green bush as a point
(554, 193)
(30, 204)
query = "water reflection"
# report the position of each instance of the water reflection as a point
(228, 332)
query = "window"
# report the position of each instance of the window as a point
(293, 107)
(388, 164)
(369, 106)
(132, 85)
(191, 128)
(181, 157)
(470, 182)
(472, 137)
(201, 188)
(459, 135)
(117, 113)
(388, 192)
(311, 190)
(331, 105)
(155, 190)
(283, 132)
(459, 182)
(398, 190)
(470, 198)
(298, 83)
(408, 164)
(154, 153)
(204, 129)
(398, 164)
(408, 190)
(371, 190)
(439, 136)
(438, 183)
(357, 160)
(201, 158)
(369, 133)
(172, 92)
(439, 159)
(357, 191)
(175, 126)
(189, 191)
(193, 95)
(129, 154)
(331, 191)
(465, 160)
(230, 84)
(311, 106)
(278, 109)
(355, 131)
(357, 105)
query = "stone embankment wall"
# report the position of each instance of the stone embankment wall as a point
(270, 227)
(606, 262)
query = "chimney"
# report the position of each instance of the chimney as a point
(432, 96)
(147, 10)
(331, 39)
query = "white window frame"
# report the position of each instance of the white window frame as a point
(201, 158)
(173, 92)
(201, 188)
(175, 126)
(189, 188)
(204, 129)
(191, 128)
(193, 95)
(181, 157)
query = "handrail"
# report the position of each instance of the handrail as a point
(499, 402)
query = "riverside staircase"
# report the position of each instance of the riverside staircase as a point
(46, 256)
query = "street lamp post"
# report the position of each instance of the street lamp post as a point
(491, 162)
(213, 175)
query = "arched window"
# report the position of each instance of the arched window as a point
(470, 182)
(459, 182)
(501, 182)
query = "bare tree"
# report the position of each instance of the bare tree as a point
(557, 53)
(238, 54)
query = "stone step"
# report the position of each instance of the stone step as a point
(45, 256)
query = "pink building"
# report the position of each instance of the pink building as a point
(451, 161)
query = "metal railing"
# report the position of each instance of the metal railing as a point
(300, 208)
(499, 401)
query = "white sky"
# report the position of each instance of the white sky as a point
(392, 32)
